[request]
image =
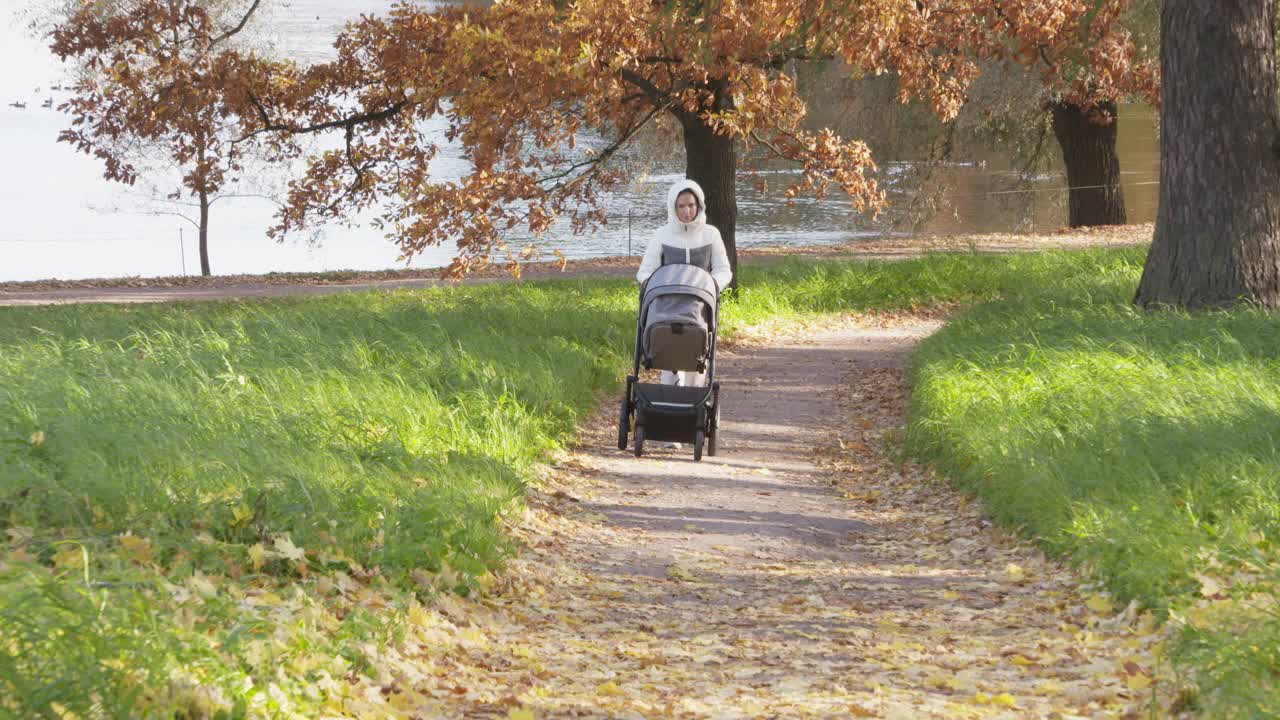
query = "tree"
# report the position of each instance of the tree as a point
(1088, 62)
(1087, 138)
(1217, 238)
(1061, 81)
(1086, 125)
(524, 85)
(152, 81)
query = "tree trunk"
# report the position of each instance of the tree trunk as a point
(1088, 142)
(711, 160)
(1217, 238)
(204, 233)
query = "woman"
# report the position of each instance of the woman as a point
(686, 238)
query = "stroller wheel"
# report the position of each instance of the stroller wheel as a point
(699, 439)
(624, 423)
(639, 440)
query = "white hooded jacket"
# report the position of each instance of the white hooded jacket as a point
(690, 237)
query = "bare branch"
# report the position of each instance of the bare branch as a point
(256, 196)
(351, 160)
(348, 122)
(773, 148)
(655, 94)
(600, 158)
(233, 31)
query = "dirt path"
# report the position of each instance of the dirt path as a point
(800, 573)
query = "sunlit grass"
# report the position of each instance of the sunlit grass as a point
(345, 420)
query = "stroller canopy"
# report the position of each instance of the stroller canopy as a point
(678, 316)
(680, 279)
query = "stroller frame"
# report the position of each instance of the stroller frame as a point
(671, 413)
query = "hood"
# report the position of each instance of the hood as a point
(698, 221)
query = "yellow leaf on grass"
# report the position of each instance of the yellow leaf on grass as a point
(1135, 677)
(474, 636)
(418, 615)
(20, 556)
(72, 558)
(257, 556)
(405, 702)
(37, 438)
(241, 514)
(1099, 604)
(287, 550)
(608, 688)
(520, 714)
(138, 548)
(1206, 614)
(200, 584)
(1147, 624)
(1209, 586)
(1137, 681)
(1014, 573)
(950, 595)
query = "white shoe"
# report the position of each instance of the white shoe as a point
(673, 446)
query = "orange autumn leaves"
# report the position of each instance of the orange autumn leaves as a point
(542, 97)
(154, 78)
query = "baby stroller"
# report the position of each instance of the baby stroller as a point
(676, 330)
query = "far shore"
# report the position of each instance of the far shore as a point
(164, 289)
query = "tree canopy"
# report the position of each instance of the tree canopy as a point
(153, 80)
(544, 95)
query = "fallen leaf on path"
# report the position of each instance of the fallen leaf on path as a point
(677, 572)
(610, 689)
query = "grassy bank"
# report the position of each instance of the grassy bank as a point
(1145, 446)
(248, 506)
(193, 494)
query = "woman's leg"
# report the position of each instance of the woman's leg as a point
(684, 378)
(672, 378)
(692, 378)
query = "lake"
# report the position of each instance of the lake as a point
(62, 220)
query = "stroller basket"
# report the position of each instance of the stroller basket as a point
(670, 412)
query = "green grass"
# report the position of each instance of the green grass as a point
(1145, 446)
(388, 434)
(345, 420)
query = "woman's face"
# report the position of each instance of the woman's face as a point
(686, 207)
